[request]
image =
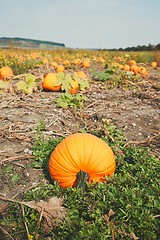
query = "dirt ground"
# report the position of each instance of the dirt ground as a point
(138, 114)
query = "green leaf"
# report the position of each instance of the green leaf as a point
(63, 81)
(4, 85)
(68, 78)
(21, 85)
(66, 100)
(61, 102)
(83, 83)
(60, 75)
(30, 78)
(27, 86)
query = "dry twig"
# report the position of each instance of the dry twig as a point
(10, 159)
(6, 233)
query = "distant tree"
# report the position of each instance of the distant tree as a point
(150, 47)
(157, 47)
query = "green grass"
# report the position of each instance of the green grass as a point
(127, 207)
(116, 78)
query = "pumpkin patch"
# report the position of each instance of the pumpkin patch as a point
(81, 145)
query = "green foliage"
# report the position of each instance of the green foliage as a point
(42, 148)
(66, 100)
(103, 75)
(23, 66)
(128, 205)
(28, 85)
(8, 174)
(83, 83)
(15, 178)
(144, 57)
(116, 78)
(4, 85)
(66, 81)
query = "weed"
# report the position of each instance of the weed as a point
(116, 78)
(66, 100)
(103, 75)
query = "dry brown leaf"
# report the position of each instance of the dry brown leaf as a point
(50, 210)
(108, 216)
(111, 213)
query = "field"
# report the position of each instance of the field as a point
(117, 99)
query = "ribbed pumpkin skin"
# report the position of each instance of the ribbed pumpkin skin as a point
(81, 151)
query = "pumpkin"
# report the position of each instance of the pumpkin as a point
(132, 62)
(77, 61)
(74, 87)
(143, 71)
(6, 72)
(86, 63)
(54, 64)
(135, 69)
(60, 68)
(49, 82)
(66, 63)
(81, 157)
(126, 67)
(81, 74)
(154, 64)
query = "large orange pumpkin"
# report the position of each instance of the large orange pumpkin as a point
(81, 157)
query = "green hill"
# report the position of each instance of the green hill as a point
(16, 42)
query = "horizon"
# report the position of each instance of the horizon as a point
(53, 42)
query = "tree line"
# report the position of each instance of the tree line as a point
(150, 47)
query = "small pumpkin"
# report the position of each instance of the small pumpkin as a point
(66, 63)
(54, 64)
(77, 61)
(126, 67)
(86, 63)
(5, 72)
(49, 82)
(132, 62)
(81, 157)
(74, 87)
(143, 71)
(60, 68)
(154, 64)
(81, 74)
(135, 69)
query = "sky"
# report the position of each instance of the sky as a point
(104, 24)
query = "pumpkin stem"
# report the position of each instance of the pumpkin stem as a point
(82, 178)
